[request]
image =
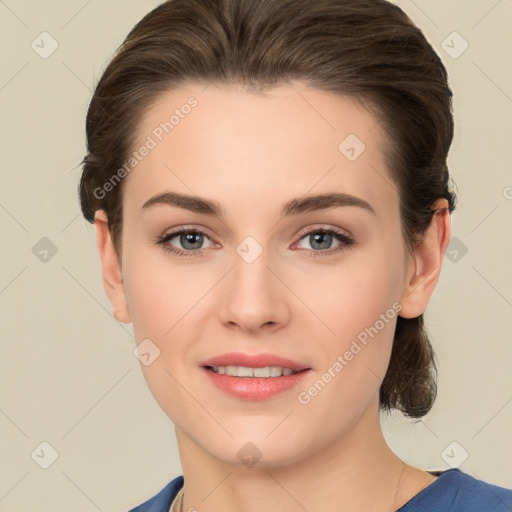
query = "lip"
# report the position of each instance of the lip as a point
(254, 361)
(255, 388)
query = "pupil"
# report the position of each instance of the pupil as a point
(187, 238)
(318, 238)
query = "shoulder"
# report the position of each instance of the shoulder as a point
(477, 495)
(161, 501)
(459, 492)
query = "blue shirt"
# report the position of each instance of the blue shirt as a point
(452, 491)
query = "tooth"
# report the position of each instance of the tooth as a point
(275, 371)
(262, 372)
(244, 371)
(232, 370)
(248, 372)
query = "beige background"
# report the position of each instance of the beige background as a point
(69, 377)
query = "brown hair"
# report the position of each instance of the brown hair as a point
(368, 49)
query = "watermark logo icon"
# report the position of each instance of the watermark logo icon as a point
(146, 352)
(44, 45)
(454, 45)
(249, 454)
(454, 454)
(456, 250)
(44, 455)
(44, 250)
(351, 147)
(249, 249)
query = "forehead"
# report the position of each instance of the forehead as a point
(225, 142)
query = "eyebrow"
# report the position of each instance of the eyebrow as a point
(293, 207)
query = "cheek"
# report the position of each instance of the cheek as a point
(161, 299)
(348, 297)
(356, 307)
(161, 294)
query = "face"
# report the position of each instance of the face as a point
(269, 273)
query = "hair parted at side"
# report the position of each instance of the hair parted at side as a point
(367, 49)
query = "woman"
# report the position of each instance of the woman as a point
(269, 187)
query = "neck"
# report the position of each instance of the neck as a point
(357, 471)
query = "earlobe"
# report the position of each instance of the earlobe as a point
(425, 264)
(111, 268)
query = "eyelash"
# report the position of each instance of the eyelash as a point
(347, 241)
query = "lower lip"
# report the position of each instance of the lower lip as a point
(255, 388)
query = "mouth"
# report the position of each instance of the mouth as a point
(265, 372)
(254, 377)
(247, 364)
(255, 384)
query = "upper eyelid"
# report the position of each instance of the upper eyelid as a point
(320, 227)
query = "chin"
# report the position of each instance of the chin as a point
(257, 453)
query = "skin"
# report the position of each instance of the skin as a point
(253, 152)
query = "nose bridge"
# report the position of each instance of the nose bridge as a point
(252, 279)
(251, 271)
(254, 296)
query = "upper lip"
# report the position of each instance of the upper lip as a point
(253, 361)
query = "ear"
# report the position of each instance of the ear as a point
(424, 265)
(110, 268)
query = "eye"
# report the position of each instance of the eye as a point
(320, 241)
(191, 240)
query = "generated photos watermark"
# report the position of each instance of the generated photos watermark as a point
(357, 345)
(151, 142)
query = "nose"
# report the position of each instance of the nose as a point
(253, 297)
